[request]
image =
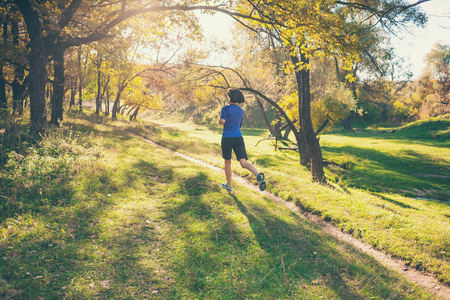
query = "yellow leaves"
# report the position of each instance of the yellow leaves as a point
(289, 103)
(334, 105)
(399, 105)
(137, 94)
(317, 7)
(350, 77)
(289, 67)
(206, 94)
(403, 110)
(316, 27)
(349, 61)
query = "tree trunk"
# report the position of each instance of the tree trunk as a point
(19, 88)
(36, 87)
(322, 127)
(58, 88)
(80, 80)
(266, 120)
(3, 101)
(73, 92)
(106, 91)
(336, 64)
(98, 100)
(307, 127)
(38, 72)
(107, 108)
(80, 96)
(115, 108)
(19, 84)
(303, 149)
(286, 133)
(122, 109)
(48, 91)
(277, 127)
(134, 114)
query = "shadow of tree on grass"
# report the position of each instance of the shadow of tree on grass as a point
(383, 172)
(178, 236)
(224, 256)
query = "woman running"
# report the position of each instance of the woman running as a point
(231, 118)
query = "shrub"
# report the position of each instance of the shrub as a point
(43, 174)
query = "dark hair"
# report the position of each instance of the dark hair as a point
(235, 96)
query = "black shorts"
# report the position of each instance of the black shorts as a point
(235, 143)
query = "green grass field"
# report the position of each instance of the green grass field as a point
(95, 213)
(376, 192)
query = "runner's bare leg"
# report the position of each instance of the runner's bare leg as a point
(248, 166)
(228, 171)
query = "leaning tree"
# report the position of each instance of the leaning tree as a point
(324, 28)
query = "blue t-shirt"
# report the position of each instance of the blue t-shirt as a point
(233, 115)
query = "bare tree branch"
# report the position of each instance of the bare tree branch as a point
(322, 127)
(102, 31)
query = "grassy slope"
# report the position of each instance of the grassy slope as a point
(408, 162)
(367, 200)
(106, 215)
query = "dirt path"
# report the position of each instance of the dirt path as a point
(424, 280)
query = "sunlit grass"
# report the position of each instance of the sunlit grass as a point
(141, 223)
(390, 166)
(377, 191)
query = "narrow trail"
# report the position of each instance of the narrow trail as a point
(421, 279)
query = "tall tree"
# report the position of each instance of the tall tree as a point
(325, 28)
(48, 30)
